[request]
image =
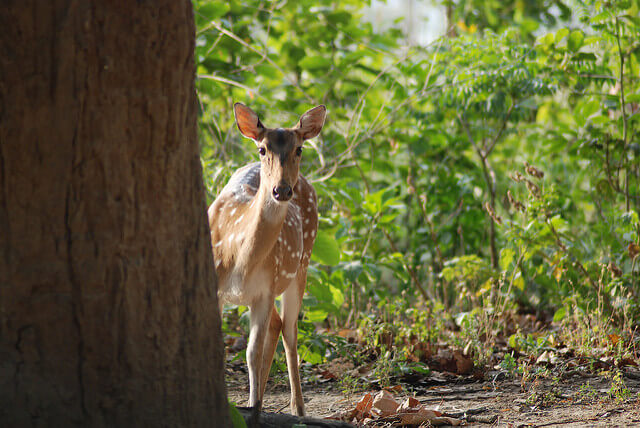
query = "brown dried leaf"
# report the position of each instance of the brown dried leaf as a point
(395, 388)
(615, 270)
(410, 405)
(464, 364)
(633, 249)
(327, 374)
(344, 415)
(424, 416)
(547, 357)
(384, 404)
(532, 170)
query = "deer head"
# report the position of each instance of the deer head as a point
(280, 149)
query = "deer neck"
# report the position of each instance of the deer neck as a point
(264, 219)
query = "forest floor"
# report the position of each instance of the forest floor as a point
(575, 397)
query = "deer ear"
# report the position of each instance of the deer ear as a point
(311, 122)
(248, 122)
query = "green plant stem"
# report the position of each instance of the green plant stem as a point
(483, 154)
(625, 124)
(577, 262)
(412, 272)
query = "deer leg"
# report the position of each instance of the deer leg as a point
(259, 321)
(270, 343)
(291, 301)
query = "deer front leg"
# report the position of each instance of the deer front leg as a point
(259, 320)
(270, 343)
(291, 301)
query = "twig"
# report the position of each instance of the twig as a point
(228, 82)
(269, 60)
(412, 272)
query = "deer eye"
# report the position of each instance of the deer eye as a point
(262, 151)
(299, 151)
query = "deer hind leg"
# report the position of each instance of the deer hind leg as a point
(291, 301)
(270, 343)
(259, 320)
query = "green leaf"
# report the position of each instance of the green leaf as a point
(560, 314)
(518, 282)
(316, 315)
(326, 249)
(337, 296)
(559, 224)
(575, 40)
(341, 17)
(512, 342)
(561, 34)
(237, 421)
(309, 355)
(546, 40)
(506, 257)
(314, 62)
(213, 10)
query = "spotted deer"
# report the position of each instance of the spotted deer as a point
(263, 225)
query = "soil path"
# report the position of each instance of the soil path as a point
(578, 400)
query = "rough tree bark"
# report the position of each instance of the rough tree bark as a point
(108, 311)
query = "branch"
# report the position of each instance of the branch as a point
(412, 272)
(229, 82)
(269, 60)
(501, 130)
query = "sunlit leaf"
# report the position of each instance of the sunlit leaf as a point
(326, 249)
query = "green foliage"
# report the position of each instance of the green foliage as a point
(490, 171)
(236, 417)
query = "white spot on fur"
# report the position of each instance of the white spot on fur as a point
(231, 237)
(305, 234)
(239, 219)
(233, 211)
(218, 243)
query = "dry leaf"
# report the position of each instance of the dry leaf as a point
(426, 416)
(365, 403)
(615, 270)
(326, 374)
(633, 249)
(410, 405)
(464, 364)
(349, 334)
(613, 338)
(384, 404)
(395, 388)
(547, 357)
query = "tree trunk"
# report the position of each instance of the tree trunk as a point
(108, 307)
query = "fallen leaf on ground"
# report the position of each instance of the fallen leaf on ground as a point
(384, 404)
(384, 408)
(426, 416)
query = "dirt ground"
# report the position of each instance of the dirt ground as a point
(577, 399)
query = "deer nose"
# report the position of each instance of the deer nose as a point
(282, 192)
